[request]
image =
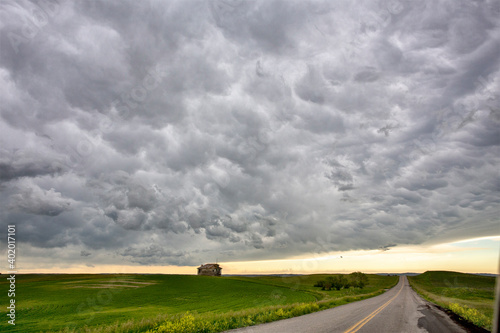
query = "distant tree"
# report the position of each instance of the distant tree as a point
(339, 282)
(320, 283)
(347, 284)
(330, 283)
(358, 279)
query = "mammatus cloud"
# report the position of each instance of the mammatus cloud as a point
(184, 131)
(39, 202)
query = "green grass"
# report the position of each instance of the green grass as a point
(137, 303)
(190, 323)
(306, 283)
(469, 296)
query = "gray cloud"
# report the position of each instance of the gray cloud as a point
(21, 163)
(181, 132)
(37, 201)
(154, 254)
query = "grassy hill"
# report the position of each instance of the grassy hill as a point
(305, 283)
(468, 295)
(136, 303)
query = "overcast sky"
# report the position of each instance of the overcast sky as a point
(183, 132)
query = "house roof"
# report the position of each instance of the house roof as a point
(210, 266)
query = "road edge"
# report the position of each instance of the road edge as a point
(465, 324)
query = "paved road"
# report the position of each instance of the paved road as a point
(398, 310)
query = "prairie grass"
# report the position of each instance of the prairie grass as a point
(470, 314)
(469, 296)
(209, 323)
(48, 303)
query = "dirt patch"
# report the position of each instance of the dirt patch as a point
(72, 282)
(130, 284)
(94, 286)
(134, 282)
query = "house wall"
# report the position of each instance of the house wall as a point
(209, 272)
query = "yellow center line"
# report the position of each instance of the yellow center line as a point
(362, 322)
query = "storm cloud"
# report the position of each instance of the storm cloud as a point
(181, 132)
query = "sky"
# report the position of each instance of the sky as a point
(268, 136)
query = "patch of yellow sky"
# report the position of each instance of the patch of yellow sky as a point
(477, 255)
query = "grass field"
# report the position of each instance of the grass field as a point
(468, 295)
(137, 303)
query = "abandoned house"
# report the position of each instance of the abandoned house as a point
(210, 269)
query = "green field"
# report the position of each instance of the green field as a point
(468, 295)
(136, 303)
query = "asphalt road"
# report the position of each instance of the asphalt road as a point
(398, 310)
